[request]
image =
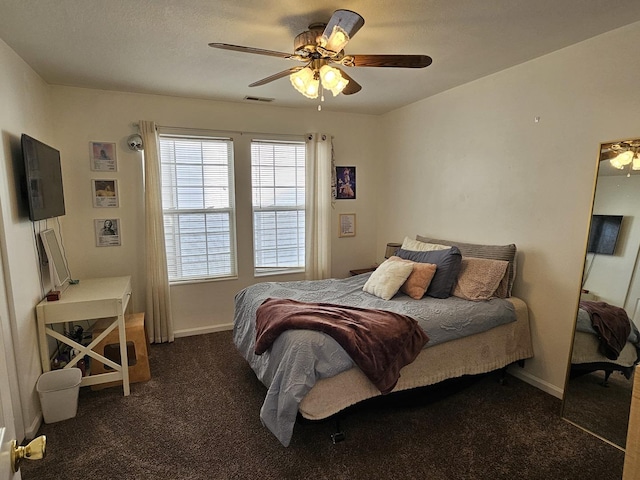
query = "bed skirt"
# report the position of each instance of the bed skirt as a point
(586, 351)
(480, 353)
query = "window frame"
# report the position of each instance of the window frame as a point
(264, 271)
(231, 210)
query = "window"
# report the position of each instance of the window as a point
(198, 206)
(278, 191)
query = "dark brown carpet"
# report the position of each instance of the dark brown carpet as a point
(603, 410)
(198, 418)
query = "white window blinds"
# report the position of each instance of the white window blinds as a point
(198, 206)
(278, 191)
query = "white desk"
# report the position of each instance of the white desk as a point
(87, 300)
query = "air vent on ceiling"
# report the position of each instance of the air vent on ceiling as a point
(259, 99)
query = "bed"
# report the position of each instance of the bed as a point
(589, 352)
(308, 372)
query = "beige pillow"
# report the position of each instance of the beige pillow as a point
(482, 279)
(417, 283)
(417, 246)
(386, 280)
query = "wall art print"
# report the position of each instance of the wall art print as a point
(346, 183)
(103, 156)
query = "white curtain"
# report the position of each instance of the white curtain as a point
(319, 200)
(158, 320)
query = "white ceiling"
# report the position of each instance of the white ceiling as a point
(161, 46)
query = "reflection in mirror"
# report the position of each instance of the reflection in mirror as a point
(597, 394)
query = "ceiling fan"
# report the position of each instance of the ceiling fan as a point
(321, 47)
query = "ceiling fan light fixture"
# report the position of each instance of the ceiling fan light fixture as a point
(305, 82)
(342, 26)
(332, 79)
(329, 76)
(623, 159)
(615, 163)
(322, 44)
(636, 162)
(312, 88)
(336, 42)
(340, 87)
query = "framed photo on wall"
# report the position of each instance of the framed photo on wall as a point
(103, 157)
(105, 193)
(345, 183)
(347, 225)
(107, 232)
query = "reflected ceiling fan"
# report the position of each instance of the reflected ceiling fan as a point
(321, 48)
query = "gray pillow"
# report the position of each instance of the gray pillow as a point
(448, 267)
(492, 252)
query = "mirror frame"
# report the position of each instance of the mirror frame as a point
(597, 174)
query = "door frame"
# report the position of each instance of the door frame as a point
(10, 407)
(7, 417)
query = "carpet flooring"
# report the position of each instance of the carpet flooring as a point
(603, 410)
(198, 418)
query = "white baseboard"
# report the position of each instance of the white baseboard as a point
(188, 332)
(31, 431)
(537, 382)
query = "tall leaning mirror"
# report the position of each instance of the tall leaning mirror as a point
(597, 395)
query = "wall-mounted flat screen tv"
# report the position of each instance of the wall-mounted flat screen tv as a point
(44, 190)
(604, 233)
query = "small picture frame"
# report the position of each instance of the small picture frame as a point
(107, 232)
(347, 225)
(345, 183)
(103, 156)
(105, 193)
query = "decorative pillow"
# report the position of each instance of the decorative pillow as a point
(385, 281)
(417, 246)
(492, 252)
(416, 285)
(448, 266)
(482, 279)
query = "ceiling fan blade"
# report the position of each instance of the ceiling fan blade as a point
(348, 22)
(259, 51)
(398, 61)
(276, 76)
(352, 87)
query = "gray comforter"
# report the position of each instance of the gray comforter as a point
(298, 358)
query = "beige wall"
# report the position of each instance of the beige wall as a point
(25, 101)
(83, 115)
(469, 164)
(472, 164)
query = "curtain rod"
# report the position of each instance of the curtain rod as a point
(239, 132)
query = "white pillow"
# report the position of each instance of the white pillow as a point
(387, 279)
(417, 246)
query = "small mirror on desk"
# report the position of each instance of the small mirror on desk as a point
(57, 264)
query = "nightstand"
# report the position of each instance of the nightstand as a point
(588, 296)
(360, 271)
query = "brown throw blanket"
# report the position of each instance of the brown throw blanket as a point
(612, 325)
(380, 343)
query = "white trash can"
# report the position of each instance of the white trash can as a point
(58, 391)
